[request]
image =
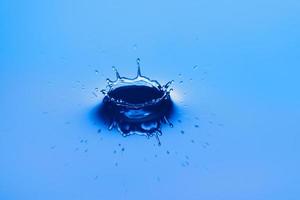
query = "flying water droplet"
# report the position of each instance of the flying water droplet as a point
(139, 67)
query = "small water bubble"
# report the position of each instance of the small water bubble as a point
(96, 71)
(179, 121)
(196, 126)
(168, 152)
(182, 131)
(86, 150)
(192, 141)
(195, 67)
(81, 141)
(115, 151)
(180, 82)
(99, 130)
(123, 149)
(116, 164)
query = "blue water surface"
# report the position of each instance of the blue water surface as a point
(236, 92)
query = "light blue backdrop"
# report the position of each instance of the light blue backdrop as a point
(239, 66)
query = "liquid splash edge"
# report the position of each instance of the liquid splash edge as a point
(136, 106)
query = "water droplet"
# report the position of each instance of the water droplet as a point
(53, 147)
(182, 132)
(135, 47)
(96, 71)
(196, 126)
(168, 122)
(94, 94)
(195, 67)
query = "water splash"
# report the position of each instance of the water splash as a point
(137, 105)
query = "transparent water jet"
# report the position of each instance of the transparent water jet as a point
(137, 105)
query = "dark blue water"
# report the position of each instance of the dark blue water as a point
(135, 106)
(235, 67)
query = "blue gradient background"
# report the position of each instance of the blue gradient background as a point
(243, 95)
